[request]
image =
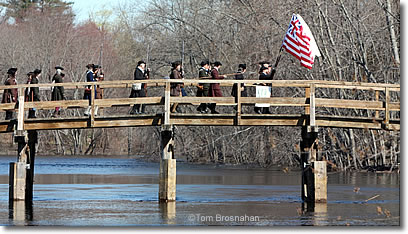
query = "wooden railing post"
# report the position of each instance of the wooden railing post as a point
(20, 117)
(377, 98)
(312, 108)
(92, 105)
(167, 103)
(239, 106)
(307, 95)
(387, 108)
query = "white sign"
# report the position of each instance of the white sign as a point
(263, 92)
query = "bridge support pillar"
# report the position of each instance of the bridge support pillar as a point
(314, 173)
(167, 182)
(21, 176)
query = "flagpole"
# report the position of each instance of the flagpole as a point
(277, 62)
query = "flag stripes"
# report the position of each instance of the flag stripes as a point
(297, 43)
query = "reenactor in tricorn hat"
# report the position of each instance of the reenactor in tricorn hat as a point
(240, 76)
(10, 95)
(139, 89)
(175, 88)
(58, 91)
(87, 91)
(34, 93)
(203, 88)
(215, 88)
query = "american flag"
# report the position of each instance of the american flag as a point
(300, 42)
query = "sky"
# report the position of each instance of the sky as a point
(83, 8)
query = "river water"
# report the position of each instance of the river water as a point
(87, 191)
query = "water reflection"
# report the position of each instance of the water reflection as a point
(112, 192)
(20, 212)
(315, 214)
(168, 212)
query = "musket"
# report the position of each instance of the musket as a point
(206, 77)
(277, 62)
(100, 56)
(182, 60)
(147, 67)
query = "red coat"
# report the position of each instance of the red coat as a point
(215, 88)
(10, 95)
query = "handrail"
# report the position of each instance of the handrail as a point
(161, 82)
(310, 102)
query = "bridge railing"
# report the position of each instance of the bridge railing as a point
(380, 99)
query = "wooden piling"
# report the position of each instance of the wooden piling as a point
(18, 181)
(320, 181)
(314, 172)
(167, 186)
(167, 183)
(21, 176)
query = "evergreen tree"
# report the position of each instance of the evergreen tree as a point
(17, 9)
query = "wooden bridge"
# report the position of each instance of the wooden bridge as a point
(311, 104)
(305, 104)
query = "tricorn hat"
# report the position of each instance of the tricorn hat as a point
(242, 66)
(175, 64)
(205, 62)
(263, 68)
(37, 71)
(59, 67)
(263, 62)
(141, 62)
(12, 71)
(217, 63)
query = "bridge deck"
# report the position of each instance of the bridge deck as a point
(198, 120)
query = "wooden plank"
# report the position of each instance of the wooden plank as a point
(50, 105)
(127, 123)
(394, 127)
(354, 87)
(218, 100)
(272, 122)
(128, 101)
(394, 106)
(347, 124)
(275, 101)
(203, 121)
(57, 124)
(7, 106)
(349, 104)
